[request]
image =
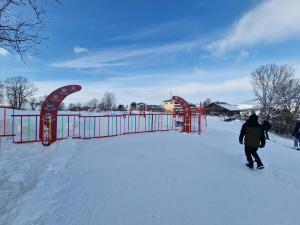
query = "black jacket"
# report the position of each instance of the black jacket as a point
(253, 133)
(296, 131)
(266, 125)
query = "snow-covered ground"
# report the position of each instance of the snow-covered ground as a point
(162, 178)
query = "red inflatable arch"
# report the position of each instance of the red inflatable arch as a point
(187, 113)
(49, 109)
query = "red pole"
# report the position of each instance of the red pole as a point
(94, 127)
(99, 126)
(120, 125)
(84, 127)
(199, 123)
(21, 128)
(145, 129)
(152, 122)
(116, 125)
(74, 125)
(139, 123)
(4, 121)
(108, 125)
(128, 123)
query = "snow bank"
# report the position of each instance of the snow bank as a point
(154, 178)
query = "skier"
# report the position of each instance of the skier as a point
(254, 138)
(296, 136)
(266, 127)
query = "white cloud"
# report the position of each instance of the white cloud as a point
(156, 31)
(271, 21)
(3, 52)
(79, 50)
(126, 91)
(128, 55)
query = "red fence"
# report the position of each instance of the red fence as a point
(114, 125)
(6, 123)
(25, 127)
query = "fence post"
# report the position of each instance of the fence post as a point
(108, 124)
(94, 127)
(21, 129)
(36, 128)
(4, 122)
(68, 126)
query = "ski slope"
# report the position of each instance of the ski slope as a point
(162, 178)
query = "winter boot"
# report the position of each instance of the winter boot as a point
(250, 165)
(260, 165)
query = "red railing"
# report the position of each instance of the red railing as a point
(25, 127)
(114, 125)
(6, 124)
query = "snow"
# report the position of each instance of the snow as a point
(229, 107)
(154, 178)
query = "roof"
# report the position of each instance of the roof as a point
(141, 103)
(226, 106)
(169, 100)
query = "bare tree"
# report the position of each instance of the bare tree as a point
(121, 108)
(21, 22)
(1, 92)
(101, 106)
(277, 92)
(290, 96)
(18, 91)
(93, 103)
(109, 100)
(41, 99)
(207, 102)
(62, 107)
(33, 103)
(133, 106)
(268, 82)
(71, 106)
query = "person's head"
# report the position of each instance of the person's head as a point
(253, 117)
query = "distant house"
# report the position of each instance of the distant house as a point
(155, 108)
(222, 109)
(141, 106)
(169, 106)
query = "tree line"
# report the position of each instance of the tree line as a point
(20, 93)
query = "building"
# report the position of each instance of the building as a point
(155, 108)
(169, 106)
(222, 109)
(141, 106)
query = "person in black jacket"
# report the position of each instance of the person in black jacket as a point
(296, 135)
(253, 135)
(266, 127)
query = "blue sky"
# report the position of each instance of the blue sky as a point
(141, 50)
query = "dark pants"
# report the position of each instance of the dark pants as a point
(252, 151)
(267, 135)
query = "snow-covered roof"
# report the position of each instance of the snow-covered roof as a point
(246, 106)
(227, 106)
(141, 103)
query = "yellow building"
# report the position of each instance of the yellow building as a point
(169, 106)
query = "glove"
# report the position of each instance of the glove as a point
(261, 146)
(241, 142)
